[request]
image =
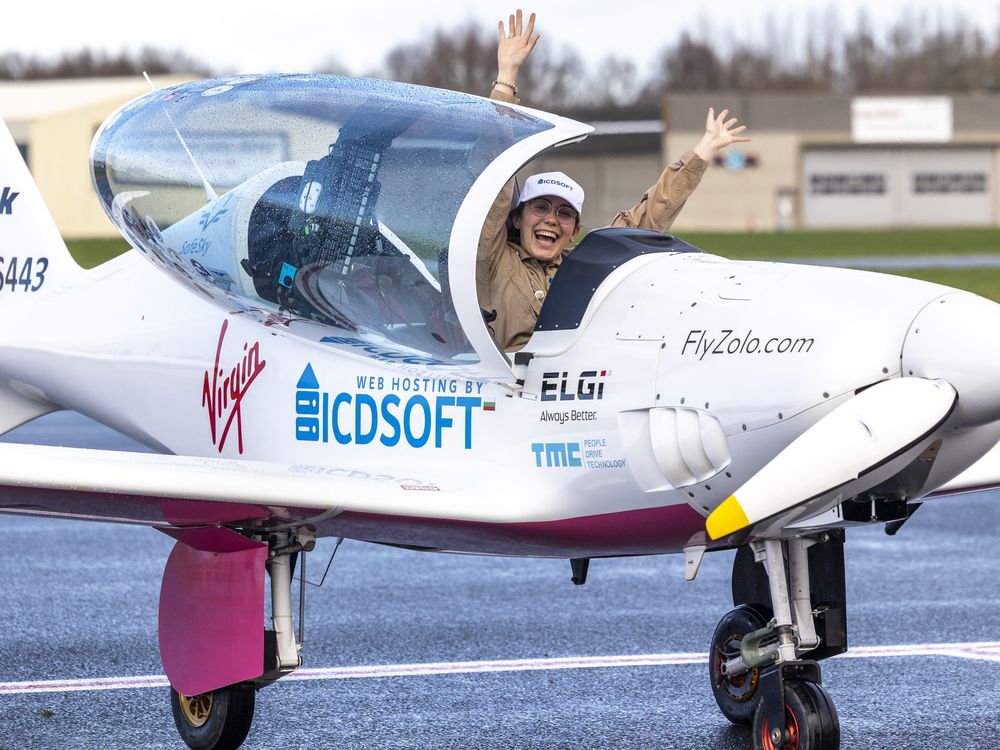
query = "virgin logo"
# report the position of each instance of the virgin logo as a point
(222, 394)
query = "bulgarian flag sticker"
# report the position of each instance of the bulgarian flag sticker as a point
(489, 405)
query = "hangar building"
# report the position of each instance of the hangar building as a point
(837, 162)
(53, 123)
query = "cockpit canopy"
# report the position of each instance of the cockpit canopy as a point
(315, 198)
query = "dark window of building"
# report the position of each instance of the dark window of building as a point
(949, 182)
(847, 184)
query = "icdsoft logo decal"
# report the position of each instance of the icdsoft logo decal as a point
(393, 411)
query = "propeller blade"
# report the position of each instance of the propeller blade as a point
(860, 434)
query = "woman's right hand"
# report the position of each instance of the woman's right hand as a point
(515, 46)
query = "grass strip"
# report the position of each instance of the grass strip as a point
(841, 244)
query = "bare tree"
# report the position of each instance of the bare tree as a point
(87, 63)
(615, 82)
(555, 79)
(919, 52)
(692, 66)
(465, 59)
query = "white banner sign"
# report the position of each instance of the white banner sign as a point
(901, 119)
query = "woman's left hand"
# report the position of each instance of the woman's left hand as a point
(719, 133)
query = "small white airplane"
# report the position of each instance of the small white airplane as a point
(299, 334)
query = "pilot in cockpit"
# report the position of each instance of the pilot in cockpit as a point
(522, 245)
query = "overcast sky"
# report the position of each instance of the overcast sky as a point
(299, 35)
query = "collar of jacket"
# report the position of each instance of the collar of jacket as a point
(552, 265)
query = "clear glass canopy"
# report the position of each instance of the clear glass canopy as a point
(318, 198)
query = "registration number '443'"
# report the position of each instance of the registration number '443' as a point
(22, 274)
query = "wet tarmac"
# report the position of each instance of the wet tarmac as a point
(79, 602)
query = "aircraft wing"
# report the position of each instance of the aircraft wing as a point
(162, 490)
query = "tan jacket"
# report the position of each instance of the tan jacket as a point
(514, 284)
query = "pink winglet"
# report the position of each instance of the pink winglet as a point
(212, 610)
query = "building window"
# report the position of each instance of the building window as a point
(847, 184)
(949, 182)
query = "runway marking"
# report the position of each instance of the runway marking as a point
(984, 651)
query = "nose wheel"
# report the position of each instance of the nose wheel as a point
(219, 720)
(811, 721)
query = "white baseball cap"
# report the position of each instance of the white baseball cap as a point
(553, 183)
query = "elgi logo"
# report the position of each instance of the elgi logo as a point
(7, 201)
(589, 386)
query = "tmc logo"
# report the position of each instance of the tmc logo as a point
(556, 455)
(7, 200)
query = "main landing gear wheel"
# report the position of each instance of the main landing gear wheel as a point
(811, 721)
(219, 720)
(737, 696)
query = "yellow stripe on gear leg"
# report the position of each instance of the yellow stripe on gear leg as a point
(726, 519)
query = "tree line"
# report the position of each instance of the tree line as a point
(921, 52)
(88, 63)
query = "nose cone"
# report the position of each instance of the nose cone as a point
(957, 338)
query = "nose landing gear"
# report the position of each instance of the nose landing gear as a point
(756, 665)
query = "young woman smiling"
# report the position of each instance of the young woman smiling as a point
(516, 261)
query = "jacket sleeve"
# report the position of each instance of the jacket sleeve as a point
(503, 95)
(492, 242)
(659, 206)
(493, 238)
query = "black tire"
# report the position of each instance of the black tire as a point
(827, 713)
(219, 720)
(811, 721)
(737, 696)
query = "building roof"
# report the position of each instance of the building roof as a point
(624, 131)
(790, 111)
(25, 101)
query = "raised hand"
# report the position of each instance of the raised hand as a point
(719, 133)
(515, 45)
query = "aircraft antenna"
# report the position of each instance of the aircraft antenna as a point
(210, 194)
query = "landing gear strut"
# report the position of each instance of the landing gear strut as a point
(764, 658)
(221, 719)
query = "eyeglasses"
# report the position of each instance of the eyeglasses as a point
(543, 206)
